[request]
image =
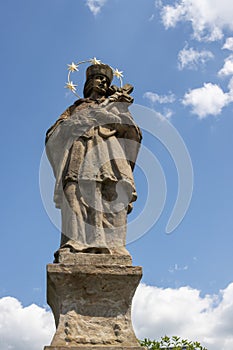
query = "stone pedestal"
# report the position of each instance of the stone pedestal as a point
(90, 296)
(78, 347)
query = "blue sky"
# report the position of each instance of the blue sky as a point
(179, 57)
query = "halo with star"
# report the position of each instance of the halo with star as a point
(73, 67)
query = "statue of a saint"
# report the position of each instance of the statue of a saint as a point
(93, 148)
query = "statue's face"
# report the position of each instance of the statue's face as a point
(100, 84)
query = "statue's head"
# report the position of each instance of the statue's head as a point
(98, 78)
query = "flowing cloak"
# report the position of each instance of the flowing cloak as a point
(93, 141)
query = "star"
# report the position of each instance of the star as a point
(117, 73)
(72, 67)
(71, 86)
(95, 61)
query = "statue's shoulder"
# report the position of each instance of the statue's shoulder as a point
(65, 115)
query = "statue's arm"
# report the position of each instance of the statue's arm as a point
(65, 115)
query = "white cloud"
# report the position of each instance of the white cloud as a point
(167, 113)
(191, 58)
(230, 87)
(158, 3)
(208, 100)
(24, 328)
(155, 98)
(183, 312)
(227, 68)
(156, 312)
(228, 44)
(162, 99)
(208, 18)
(95, 5)
(176, 267)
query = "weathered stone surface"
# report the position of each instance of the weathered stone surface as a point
(92, 149)
(92, 304)
(95, 348)
(64, 256)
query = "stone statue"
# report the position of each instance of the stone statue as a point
(92, 148)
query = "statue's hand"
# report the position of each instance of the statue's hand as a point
(121, 97)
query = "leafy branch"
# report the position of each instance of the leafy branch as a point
(171, 343)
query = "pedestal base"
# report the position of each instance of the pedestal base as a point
(94, 348)
(91, 304)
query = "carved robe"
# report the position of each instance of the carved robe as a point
(93, 148)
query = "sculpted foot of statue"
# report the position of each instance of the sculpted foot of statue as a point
(68, 249)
